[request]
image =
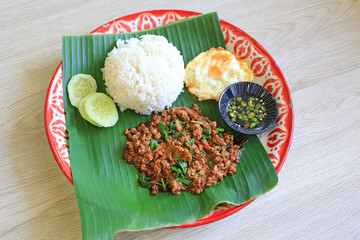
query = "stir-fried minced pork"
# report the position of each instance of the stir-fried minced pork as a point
(181, 150)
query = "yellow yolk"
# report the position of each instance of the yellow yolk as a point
(220, 63)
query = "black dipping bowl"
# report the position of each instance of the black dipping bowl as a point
(245, 89)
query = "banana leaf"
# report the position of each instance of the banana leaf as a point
(109, 196)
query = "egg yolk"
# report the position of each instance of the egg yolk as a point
(219, 64)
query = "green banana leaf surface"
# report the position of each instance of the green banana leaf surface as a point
(109, 196)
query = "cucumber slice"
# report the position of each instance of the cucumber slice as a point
(83, 113)
(79, 86)
(99, 109)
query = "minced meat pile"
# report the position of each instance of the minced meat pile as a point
(181, 150)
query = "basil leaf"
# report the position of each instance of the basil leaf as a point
(207, 132)
(163, 130)
(190, 142)
(183, 180)
(173, 125)
(180, 166)
(211, 162)
(144, 181)
(177, 159)
(183, 166)
(205, 137)
(153, 144)
(176, 170)
(221, 134)
(183, 123)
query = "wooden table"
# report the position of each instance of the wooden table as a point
(317, 45)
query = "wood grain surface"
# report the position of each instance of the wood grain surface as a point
(316, 44)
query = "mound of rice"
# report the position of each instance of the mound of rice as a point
(145, 75)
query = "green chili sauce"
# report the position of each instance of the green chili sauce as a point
(247, 111)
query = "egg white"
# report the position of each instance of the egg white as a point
(205, 85)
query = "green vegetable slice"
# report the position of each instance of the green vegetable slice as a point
(99, 109)
(79, 86)
(107, 188)
(84, 114)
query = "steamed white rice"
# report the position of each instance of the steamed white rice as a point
(145, 75)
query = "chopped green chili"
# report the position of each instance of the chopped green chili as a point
(248, 111)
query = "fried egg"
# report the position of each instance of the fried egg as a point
(209, 73)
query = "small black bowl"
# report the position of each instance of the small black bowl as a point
(249, 89)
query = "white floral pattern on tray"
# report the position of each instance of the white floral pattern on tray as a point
(266, 72)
